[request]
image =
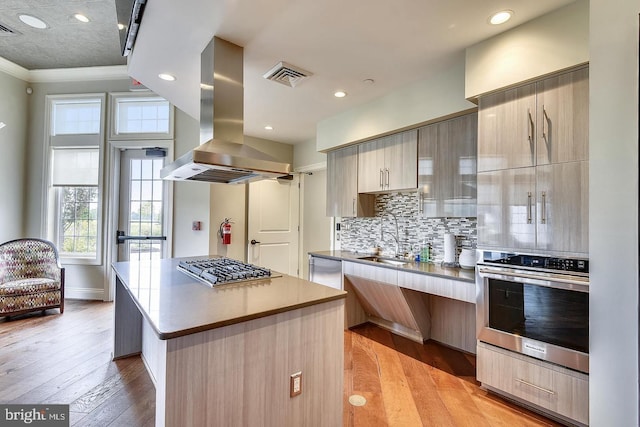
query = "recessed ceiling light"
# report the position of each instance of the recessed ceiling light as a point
(368, 81)
(340, 94)
(2, 124)
(267, 127)
(80, 17)
(32, 21)
(121, 26)
(168, 77)
(500, 17)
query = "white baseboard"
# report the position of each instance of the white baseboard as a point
(84, 293)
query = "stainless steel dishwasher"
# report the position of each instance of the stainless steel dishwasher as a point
(325, 271)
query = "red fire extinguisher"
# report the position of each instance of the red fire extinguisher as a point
(225, 231)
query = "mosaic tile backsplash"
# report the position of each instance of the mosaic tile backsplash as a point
(414, 231)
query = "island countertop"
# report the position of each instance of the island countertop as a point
(176, 304)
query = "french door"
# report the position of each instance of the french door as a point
(143, 207)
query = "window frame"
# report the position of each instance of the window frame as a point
(51, 206)
(113, 118)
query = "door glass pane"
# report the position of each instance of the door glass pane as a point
(146, 218)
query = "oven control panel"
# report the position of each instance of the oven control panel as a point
(537, 261)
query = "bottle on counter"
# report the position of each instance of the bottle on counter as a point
(424, 253)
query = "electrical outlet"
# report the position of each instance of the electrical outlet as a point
(295, 384)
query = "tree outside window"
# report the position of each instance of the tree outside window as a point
(78, 230)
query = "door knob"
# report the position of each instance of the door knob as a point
(254, 241)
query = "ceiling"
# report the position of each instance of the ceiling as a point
(67, 42)
(343, 43)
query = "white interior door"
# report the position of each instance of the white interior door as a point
(273, 225)
(142, 217)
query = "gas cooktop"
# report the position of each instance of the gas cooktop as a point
(218, 271)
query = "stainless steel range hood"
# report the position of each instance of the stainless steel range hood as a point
(222, 157)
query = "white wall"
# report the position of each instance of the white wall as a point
(317, 227)
(13, 146)
(305, 155)
(190, 199)
(553, 42)
(436, 96)
(613, 210)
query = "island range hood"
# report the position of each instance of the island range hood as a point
(221, 156)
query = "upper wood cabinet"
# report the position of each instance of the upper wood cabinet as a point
(447, 167)
(506, 125)
(342, 185)
(388, 163)
(562, 131)
(537, 200)
(506, 209)
(538, 123)
(562, 207)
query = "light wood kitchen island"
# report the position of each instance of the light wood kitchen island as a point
(224, 356)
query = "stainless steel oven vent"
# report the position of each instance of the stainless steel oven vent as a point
(287, 74)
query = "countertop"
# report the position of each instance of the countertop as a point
(176, 304)
(428, 268)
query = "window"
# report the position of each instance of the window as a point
(77, 235)
(146, 115)
(76, 117)
(140, 116)
(74, 206)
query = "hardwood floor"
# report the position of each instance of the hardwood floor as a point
(409, 384)
(67, 359)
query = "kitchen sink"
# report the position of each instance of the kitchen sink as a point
(382, 260)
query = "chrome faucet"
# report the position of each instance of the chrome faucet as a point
(395, 237)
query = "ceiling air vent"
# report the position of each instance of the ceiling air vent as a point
(6, 31)
(287, 74)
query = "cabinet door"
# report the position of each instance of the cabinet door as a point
(401, 161)
(457, 162)
(371, 166)
(506, 129)
(563, 207)
(427, 166)
(447, 153)
(342, 182)
(563, 118)
(506, 209)
(551, 387)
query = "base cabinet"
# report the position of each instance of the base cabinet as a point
(558, 391)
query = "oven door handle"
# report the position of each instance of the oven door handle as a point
(573, 284)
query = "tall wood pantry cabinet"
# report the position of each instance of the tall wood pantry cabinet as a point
(533, 166)
(447, 153)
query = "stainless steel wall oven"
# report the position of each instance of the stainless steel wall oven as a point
(535, 305)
